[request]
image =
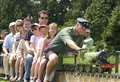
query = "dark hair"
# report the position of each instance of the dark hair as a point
(42, 12)
(26, 19)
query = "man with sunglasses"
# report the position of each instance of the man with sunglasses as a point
(69, 38)
(43, 17)
(42, 20)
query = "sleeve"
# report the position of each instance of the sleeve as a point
(65, 37)
(6, 42)
(32, 39)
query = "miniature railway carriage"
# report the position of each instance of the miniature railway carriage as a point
(95, 71)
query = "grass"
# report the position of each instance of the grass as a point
(3, 80)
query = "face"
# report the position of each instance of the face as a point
(12, 29)
(36, 31)
(27, 25)
(80, 30)
(53, 31)
(44, 30)
(87, 34)
(20, 28)
(43, 19)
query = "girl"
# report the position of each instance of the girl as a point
(53, 29)
(37, 45)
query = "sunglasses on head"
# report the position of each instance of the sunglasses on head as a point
(34, 29)
(84, 24)
(44, 17)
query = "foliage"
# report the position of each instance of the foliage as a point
(111, 32)
(12, 10)
(104, 15)
(98, 13)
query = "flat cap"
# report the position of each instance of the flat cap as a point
(83, 22)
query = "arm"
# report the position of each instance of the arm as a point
(5, 51)
(14, 47)
(5, 45)
(67, 39)
(30, 44)
(41, 47)
(72, 45)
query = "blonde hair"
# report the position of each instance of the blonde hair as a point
(18, 22)
(53, 25)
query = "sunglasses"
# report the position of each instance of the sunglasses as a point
(34, 29)
(44, 17)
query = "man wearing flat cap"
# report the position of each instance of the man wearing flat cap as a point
(69, 38)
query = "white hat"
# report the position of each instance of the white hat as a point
(11, 24)
(35, 24)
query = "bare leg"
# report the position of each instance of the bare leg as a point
(36, 69)
(17, 68)
(53, 60)
(21, 69)
(41, 69)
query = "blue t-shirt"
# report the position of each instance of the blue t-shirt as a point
(8, 42)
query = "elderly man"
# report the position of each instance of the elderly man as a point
(7, 49)
(69, 38)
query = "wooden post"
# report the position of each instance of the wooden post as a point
(117, 62)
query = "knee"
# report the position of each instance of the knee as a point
(18, 58)
(54, 59)
(43, 62)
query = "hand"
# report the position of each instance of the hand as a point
(81, 49)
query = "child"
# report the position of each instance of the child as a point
(17, 52)
(53, 29)
(38, 37)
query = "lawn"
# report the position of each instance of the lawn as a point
(3, 80)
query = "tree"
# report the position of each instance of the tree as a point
(77, 8)
(111, 33)
(12, 10)
(57, 10)
(98, 14)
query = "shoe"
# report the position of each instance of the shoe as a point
(15, 78)
(25, 80)
(32, 80)
(6, 77)
(19, 79)
(11, 78)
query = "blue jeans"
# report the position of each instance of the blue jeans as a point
(27, 65)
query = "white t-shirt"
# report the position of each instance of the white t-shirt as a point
(36, 41)
(88, 43)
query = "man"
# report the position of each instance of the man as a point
(67, 39)
(7, 49)
(43, 17)
(27, 23)
(43, 20)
